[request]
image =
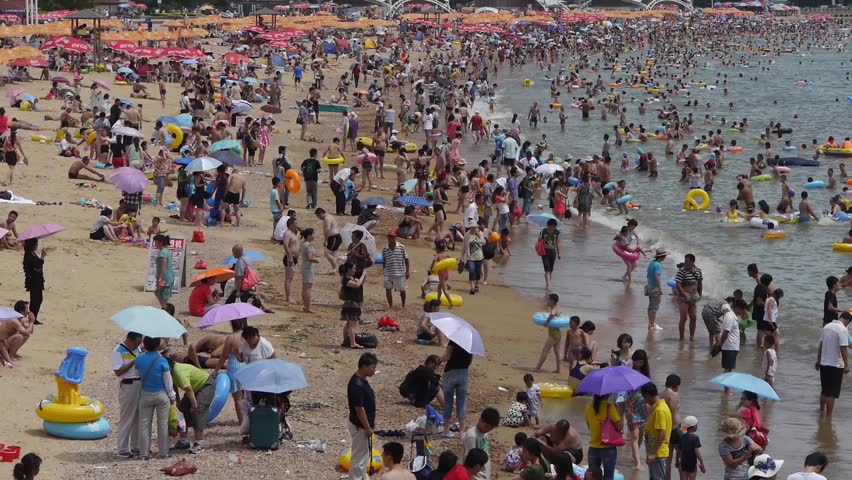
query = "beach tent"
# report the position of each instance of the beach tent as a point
(369, 43)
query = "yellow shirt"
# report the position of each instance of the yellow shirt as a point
(594, 419)
(660, 419)
(186, 375)
(127, 220)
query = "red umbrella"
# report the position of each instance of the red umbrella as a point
(9, 17)
(146, 52)
(342, 43)
(74, 45)
(236, 58)
(300, 6)
(281, 8)
(279, 43)
(121, 45)
(29, 62)
(183, 53)
(254, 28)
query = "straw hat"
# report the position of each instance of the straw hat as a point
(765, 467)
(732, 427)
(661, 252)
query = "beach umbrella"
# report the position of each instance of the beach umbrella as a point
(28, 97)
(13, 93)
(219, 274)
(745, 382)
(375, 201)
(228, 312)
(41, 231)
(251, 80)
(129, 180)
(167, 120)
(241, 107)
(409, 184)
(223, 145)
(127, 131)
(183, 120)
(542, 218)
(459, 331)
(7, 313)
(60, 80)
(235, 58)
(29, 62)
(229, 157)
(249, 256)
(203, 164)
(102, 84)
(149, 321)
(368, 240)
(71, 44)
(611, 380)
(184, 161)
(125, 70)
(124, 101)
(414, 200)
(271, 376)
(548, 169)
(121, 45)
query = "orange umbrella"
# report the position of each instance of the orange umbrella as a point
(220, 274)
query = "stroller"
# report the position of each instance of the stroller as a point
(421, 451)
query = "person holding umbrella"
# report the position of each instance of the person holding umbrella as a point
(34, 275)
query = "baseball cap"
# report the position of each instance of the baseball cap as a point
(690, 422)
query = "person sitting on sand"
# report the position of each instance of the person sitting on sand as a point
(139, 90)
(104, 227)
(83, 164)
(10, 239)
(203, 298)
(155, 229)
(14, 333)
(192, 357)
(131, 223)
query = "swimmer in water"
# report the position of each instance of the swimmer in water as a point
(806, 212)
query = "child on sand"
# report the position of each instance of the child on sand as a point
(554, 335)
(690, 450)
(573, 341)
(155, 229)
(517, 415)
(513, 461)
(534, 395)
(770, 360)
(443, 275)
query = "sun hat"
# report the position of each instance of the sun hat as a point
(660, 253)
(765, 467)
(690, 422)
(732, 427)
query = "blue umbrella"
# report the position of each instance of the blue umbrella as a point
(745, 382)
(202, 164)
(414, 200)
(542, 218)
(190, 62)
(409, 184)
(125, 102)
(376, 201)
(184, 161)
(251, 80)
(271, 376)
(227, 156)
(611, 380)
(125, 70)
(149, 321)
(27, 97)
(167, 120)
(250, 256)
(223, 145)
(183, 120)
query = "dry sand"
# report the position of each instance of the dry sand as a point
(88, 281)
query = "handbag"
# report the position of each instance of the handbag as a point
(198, 236)
(250, 279)
(539, 245)
(610, 435)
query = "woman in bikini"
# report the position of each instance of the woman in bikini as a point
(11, 147)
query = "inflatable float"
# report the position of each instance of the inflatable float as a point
(555, 390)
(332, 161)
(561, 321)
(793, 162)
(220, 397)
(177, 136)
(455, 298)
(696, 199)
(448, 264)
(292, 181)
(78, 431)
(624, 254)
(835, 152)
(373, 465)
(842, 247)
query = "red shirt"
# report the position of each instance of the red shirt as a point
(198, 299)
(453, 130)
(476, 123)
(457, 473)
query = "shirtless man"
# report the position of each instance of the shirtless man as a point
(132, 117)
(88, 115)
(379, 148)
(10, 239)
(65, 118)
(235, 194)
(204, 353)
(574, 341)
(333, 240)
(161, 84)
(14, 333)
(672, 398)
(333, 151)
(560, 437)
(292, 250)
(139, 90)
(534, 114)
(746, 195)
(806, 212)
(83, 164)
(220, 116)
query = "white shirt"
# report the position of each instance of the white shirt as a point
(280, 228)
(427, 122)
(121, 355)
(834, 336)
(510, 148)
(342, 176)
(730, 323)
(770, 355)
(806, 476)
(262, 351)
(471, 215)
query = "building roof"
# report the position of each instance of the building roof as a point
(16, 5)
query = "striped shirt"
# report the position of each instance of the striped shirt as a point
(689, 278)
(121, 355)
(394, 260)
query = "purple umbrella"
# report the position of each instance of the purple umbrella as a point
(129, 180)
(611, 380)
(229, 157)
(59, 80)
(228, 312)
(41, 231)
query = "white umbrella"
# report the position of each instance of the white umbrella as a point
(459, 331)
(127, 132)
(7, 313)
(548, 169)
(368, 240)
(203, 164)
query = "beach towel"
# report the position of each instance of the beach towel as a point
(17, 199)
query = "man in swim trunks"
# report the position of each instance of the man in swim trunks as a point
(689, 288)
(806, 212)
(560, 437)
(235, 194)
(74, 171)
(333, 240)
(292, 250)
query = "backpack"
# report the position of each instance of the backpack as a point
(366, 340)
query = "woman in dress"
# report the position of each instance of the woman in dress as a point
(262, 141)
(230, 359)
(165, 272)
(34, 275)
(352, 294)
(309, 260)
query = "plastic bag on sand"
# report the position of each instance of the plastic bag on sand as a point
(412, 427)
(180, 468)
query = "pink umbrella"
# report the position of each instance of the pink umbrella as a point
(29, 62)
(41, 231)
(71, 44)
(14, 92)
(129, 180)
(102, 84)
(228, 312)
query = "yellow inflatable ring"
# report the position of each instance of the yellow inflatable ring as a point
(653, 90)
(555, 390)
(88, 410)
(696, 199)
(455, 74)
(388, 70)
(774, 235)
(39, 138)
(527, 83)
(448, 264)
(366, 141)
(90, 139)
(555, 106)
(842, 247)
(119, 82)
(292, 181)
(346, 457)
(177, 135)
(60, 134)
(456, 299)
(409, 147)
(613, 84)
(633, 140)
(332, 161)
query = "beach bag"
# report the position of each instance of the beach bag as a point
(250, 279)
(180, 468)
(758, 436)
(539, 245)
(420, 465)
(366, 340)
(610, 436)
(198, 236)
